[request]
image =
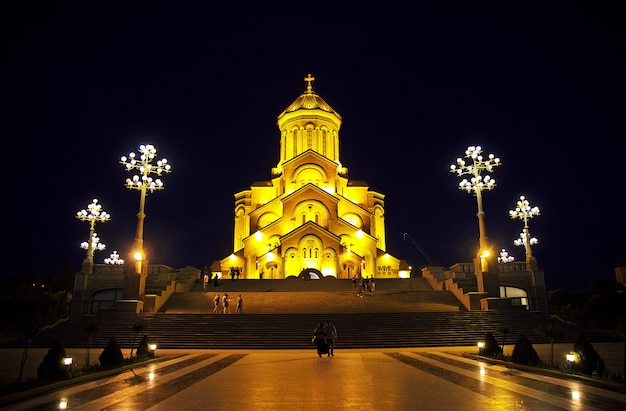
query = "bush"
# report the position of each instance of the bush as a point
(491, 348)
(111, 355)
(524, 353)
(588, 358)
(143, 351)
(52, 367)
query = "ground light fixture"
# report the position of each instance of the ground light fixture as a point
(476, 167)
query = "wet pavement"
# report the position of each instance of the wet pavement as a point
(406, 379)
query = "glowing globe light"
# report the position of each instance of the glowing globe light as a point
(505, 257)
(94, 245)
(114, 259)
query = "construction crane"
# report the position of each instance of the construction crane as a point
(405, 236)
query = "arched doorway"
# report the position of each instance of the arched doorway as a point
(311, 274)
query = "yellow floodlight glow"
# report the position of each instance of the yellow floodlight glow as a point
(138, 256)
(258, 236)
(232, 257)
(67, 361)
(359, 234)
(270, 256)
(386, 256)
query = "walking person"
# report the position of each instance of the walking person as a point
(226, 303)
(239, 305)
(216, 304)
(205, 281)
(331, 336)
(319, 339)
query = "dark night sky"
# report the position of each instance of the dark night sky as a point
(541, 84)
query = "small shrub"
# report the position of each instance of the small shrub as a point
(491, 348)
(588, 358)
(143, 351)
(524, 353)
(111, 355)
(52, 367)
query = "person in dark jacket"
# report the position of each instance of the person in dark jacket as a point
(319, 339)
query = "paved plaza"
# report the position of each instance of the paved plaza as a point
(434, 378)
(405, 379)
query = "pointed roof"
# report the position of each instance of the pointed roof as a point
(309, 100)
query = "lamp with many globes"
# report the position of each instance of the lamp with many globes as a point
(114, 259)
(93, 245)
(505, 257)
(525, 212)
(146, 165)
(475, 167)
(93, 213)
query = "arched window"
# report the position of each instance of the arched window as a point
(309, 138)
(304, 253)
(295, 143)
(324, 142)
(317, 253)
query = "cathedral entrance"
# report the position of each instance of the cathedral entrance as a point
(311, 274)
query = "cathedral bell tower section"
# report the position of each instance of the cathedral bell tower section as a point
(309, 123)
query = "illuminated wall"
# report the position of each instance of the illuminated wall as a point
(309, 214)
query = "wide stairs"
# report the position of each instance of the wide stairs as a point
(281, 314)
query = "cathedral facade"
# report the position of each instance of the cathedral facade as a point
(309, 219)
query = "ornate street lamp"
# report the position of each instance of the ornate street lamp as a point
(94, 213)
(114, 259)
(525, 212)
(505, 257)
(144, 165)
(474, 169)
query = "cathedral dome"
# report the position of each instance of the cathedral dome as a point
(309, 100)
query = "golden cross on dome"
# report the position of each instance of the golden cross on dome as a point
(309, 80)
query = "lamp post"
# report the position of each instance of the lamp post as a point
(144, 165)
(94, 213)
(474, 169)
(525, 212)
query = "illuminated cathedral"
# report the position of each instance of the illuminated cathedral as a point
(309, 219)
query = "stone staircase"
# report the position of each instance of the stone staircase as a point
(294, 331)
(389, 327)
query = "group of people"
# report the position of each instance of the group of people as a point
(324, 337)
(363, 285)
(225, 302)
(206, 278)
